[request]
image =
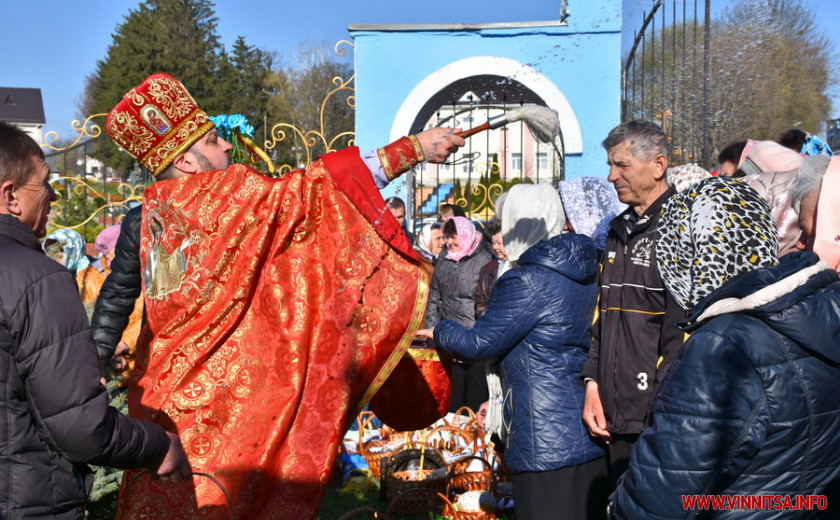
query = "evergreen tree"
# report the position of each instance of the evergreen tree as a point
(174, 36)
(75, 205)
(248, 75)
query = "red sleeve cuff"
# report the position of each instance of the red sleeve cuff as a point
(399, 156)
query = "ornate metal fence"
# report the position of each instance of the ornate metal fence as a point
(492, 161)
(92, 196)
(89, 195)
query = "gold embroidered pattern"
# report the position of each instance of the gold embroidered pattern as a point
(399, 156)
(244, 376)
(137, 137)
(171, 96)
(195, 393)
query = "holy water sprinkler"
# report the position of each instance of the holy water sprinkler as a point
(543, 122)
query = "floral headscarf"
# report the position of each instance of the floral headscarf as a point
(531, 213)
(590, 203)
(710, 234)
(68, 249)
(813, 145)
(468, 239)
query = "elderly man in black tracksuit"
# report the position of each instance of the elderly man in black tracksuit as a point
(634, 338)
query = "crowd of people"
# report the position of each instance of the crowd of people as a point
(639, 342)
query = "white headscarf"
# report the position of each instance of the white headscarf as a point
(531, 213)
(421, 243)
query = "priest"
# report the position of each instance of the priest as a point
(275, 307)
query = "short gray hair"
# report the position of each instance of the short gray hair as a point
(16, 151)
(809, 179)
(647, 139)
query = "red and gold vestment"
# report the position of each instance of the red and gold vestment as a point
(275, 308)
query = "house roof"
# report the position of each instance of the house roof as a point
(21, 105)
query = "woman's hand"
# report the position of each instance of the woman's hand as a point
(426, 334)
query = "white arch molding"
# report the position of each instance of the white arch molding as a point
(497, 65)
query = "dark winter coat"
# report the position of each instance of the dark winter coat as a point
(54, 413)
(452, 289)
(121, 288)
(751, 405)
(635, 326)
(537, 326)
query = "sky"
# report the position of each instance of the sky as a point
(54, 44)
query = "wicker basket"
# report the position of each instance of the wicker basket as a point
(500, 475)
(461, 480)
(398, 481)
(373, 451)
(455, 442)
(462, 417)
(476, 514)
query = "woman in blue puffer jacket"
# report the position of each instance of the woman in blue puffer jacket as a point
(537, 327)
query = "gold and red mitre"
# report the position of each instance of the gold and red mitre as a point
(157, 121)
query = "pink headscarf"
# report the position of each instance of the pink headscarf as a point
(827, 241)
(106, 240)
(771, 169)
(768, 156)
(774, 187)
(468, 239)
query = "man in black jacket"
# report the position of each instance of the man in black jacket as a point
(634, 338)
(54, 414)
(120, 290)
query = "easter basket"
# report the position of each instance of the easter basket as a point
(414, 466)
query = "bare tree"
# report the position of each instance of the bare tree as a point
(771, 70)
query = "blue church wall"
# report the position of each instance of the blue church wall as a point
(580, 60)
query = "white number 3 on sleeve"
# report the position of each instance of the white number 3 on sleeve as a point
(643, 384)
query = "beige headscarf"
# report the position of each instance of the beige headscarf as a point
(421, 243)
(531, 213)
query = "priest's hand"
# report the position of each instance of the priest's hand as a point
(438, 143)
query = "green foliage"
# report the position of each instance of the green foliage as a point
(246, 74)
(459, 192)
(299, 97)
(180, 37)
(74, 207)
